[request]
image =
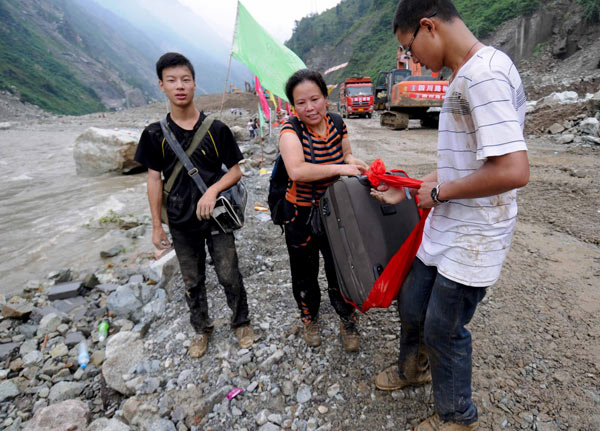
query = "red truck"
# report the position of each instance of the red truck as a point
(356, 97)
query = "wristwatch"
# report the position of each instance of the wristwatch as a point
(435, 193)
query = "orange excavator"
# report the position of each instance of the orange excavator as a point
(409, 94)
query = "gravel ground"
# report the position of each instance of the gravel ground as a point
(535, 336)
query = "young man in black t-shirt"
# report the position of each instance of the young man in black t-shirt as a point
(188, 210)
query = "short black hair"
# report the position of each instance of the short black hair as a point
(301, 76)
(410, 12)
(172, 59)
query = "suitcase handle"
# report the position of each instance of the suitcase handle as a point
(325, 207)
(377, 270)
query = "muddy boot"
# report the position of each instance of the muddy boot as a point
(311, 333)
(417, 373)
(349, 334)
(199, 344)
(434, 423)
(245, 336)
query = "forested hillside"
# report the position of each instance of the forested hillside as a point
(39, 78)
(360, 31)
(65, 60)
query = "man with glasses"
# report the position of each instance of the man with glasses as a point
(482, 160)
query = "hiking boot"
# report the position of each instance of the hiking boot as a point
(349, 335)
(245, 336)
(434, 423)
(311, 333)
(199, 344)
(390, 379)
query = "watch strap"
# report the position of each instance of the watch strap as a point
(435, 193)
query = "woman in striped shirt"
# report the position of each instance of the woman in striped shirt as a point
(310, 171)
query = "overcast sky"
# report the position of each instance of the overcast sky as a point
(276, 16)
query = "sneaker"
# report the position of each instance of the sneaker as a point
(434, 423)
(311, 333)
(199, 344)
(245, 336)
(390, 379)
(349, 335)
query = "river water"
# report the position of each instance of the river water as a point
(49, 214)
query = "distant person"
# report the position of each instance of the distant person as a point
(307, 91)
(255, 127)
(481, 161)
(250, 127)
(188, 210)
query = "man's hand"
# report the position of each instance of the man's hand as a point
(389, 195)
(160, 238)
(206, 204)
(424, 194)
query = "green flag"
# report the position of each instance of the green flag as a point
(267, 58)
(261, 119)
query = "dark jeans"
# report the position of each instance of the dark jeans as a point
(303, 248)
(189, 246)
(434, 312)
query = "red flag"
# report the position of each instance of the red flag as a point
(262, 98)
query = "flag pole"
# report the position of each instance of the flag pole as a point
(237, 8)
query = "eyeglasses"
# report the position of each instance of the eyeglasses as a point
(407, 50)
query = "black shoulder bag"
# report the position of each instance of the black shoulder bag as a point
(230, 207)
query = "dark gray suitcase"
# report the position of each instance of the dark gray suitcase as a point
(363, 233)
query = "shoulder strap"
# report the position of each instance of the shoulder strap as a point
(183, 156)
(295, 122)
(338, 122)
(172, 141)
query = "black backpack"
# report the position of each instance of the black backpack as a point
(279, 181)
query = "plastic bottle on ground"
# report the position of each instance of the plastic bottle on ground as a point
(102, 330)
(84, 357)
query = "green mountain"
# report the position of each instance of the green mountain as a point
(56, 55)
(360, 32)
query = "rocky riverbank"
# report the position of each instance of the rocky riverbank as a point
(535, 335)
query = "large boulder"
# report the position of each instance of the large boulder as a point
(590, 126)
(240, 133)
(68, 415)
(65, 391)
(104, 424)
(123, 351)
(98, 151)
(559, 98)
(125, 301)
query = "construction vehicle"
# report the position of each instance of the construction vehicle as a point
(356, 97)
(385, 81)
(410, 95)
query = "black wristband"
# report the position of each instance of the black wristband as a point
(435, 193)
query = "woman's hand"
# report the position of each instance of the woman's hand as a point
(350, 170)
(351, 160)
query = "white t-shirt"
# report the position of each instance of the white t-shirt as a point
(482, 116)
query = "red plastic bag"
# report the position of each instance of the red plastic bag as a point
(387, 286)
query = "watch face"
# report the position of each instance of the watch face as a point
(434, 193)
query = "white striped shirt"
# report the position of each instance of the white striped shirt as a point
(483, 116)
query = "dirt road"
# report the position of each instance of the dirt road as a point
(536, 345)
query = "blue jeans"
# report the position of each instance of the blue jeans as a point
(434, 311)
